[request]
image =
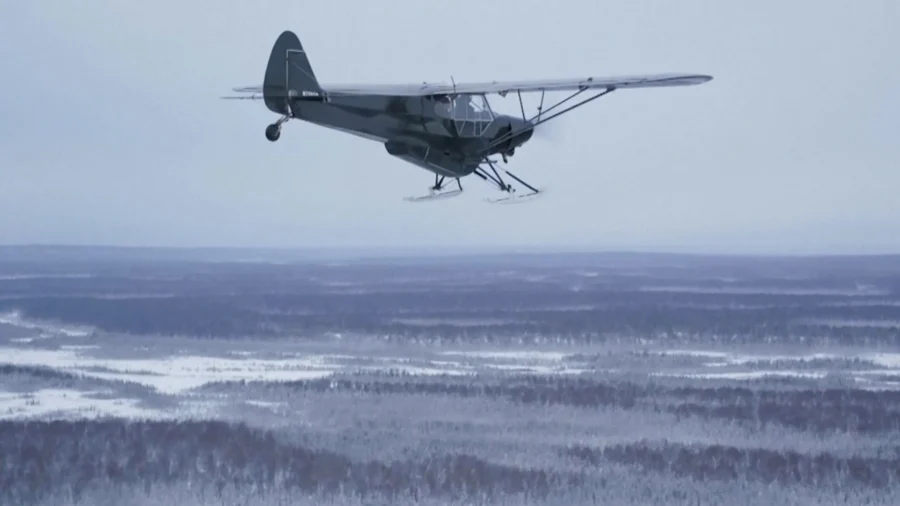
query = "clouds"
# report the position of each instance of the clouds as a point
(111, 130)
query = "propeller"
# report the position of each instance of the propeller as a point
(515, 132)
(550, 131)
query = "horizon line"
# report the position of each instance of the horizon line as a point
(443, 249)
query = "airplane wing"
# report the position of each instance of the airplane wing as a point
(504, 87)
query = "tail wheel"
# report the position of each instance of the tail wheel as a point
(273, 132)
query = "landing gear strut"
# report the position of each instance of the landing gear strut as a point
(494, 177)
(438, 191)
(491, 174)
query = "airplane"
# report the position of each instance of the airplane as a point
(447, 129)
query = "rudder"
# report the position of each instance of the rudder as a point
(289, 75)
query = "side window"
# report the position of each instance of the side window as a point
(471, 114)
(462, 107)
(443, 106)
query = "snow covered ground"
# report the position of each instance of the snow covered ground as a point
(75, 351)
(67, 402)
(883, 365)
(174, 373)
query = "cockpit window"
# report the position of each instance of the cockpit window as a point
(464, 108)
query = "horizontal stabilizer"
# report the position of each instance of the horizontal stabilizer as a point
(248, 89)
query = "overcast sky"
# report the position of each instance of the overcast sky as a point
(111, 131)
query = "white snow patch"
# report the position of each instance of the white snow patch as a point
(270, 405)
(180, 373)
(890, 360)
(694, 353)
(851, 323)
(868, 384)
(725, 359)
(748, 359)
(63, 401)
(548, 370)
(173, 374)
(746, 375)
(512, 355)
(420, 370)
(47, 329)
(449, 364)
(517, 361)
(892, 373)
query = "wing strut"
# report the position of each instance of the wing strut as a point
(495, 178)
(538, 120)
(541, 106)
(521, 105)
(541, 117)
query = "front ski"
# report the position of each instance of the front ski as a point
(513, 198)
(434, 196)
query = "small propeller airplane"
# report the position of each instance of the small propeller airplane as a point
(447, 129)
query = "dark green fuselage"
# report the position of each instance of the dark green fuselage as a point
(412, 129)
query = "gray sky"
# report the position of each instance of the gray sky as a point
(111, 131)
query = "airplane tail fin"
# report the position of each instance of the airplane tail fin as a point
(289, 75)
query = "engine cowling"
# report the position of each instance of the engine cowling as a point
(505, 138)
(511, 136)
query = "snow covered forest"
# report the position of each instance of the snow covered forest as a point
(530, 380)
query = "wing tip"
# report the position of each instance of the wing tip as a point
(684, 79)
(701, 78)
